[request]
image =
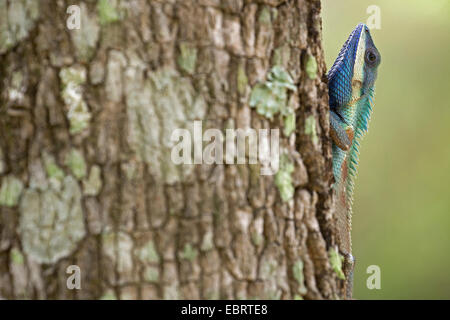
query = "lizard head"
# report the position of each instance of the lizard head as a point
(352, 78)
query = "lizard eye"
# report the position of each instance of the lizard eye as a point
(371, 57)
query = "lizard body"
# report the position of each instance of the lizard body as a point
(351, 82)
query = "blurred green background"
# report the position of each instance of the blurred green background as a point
(401, 218)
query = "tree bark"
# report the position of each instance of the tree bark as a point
(85, 168)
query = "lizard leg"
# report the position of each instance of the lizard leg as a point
(338, 131)
(349, 266)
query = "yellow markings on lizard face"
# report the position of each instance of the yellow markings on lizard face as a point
(358, 68)
(358, 77)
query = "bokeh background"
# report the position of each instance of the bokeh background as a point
(401, 216)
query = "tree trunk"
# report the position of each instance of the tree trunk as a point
(85, 161)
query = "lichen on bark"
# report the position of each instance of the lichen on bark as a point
(108, 11)
(78, 112)
(75, 162)
(271, 97)
(156, 107)
(85, 39)
(17, 18)
(10, 191)
(51, 219)
(93, 183)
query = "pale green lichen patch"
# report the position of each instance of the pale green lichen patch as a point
(17, 18)
(311, 67)
(283, 178)
(297, 271)
(16, 256)
(124, 260)
(108, 295)
(289, 124)
(93, 184)
(257, 238)
(189, 252)
(78, 113)
(148, 253)
(54, 173)
(281, 55)
(107, 11)
(118, 247)
(51, 222)
(108, 242)
(85, 39)
(310, 129)
(268, 268)
(187, 58)
(207, 242)
(336, 262)
(274, 294)
(242, 80)
(264, 16)
(151, 274)
(75, 162)
(10, 191)
(270, 98)
(157, 107)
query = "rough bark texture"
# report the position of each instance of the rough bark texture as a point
(86, 179)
